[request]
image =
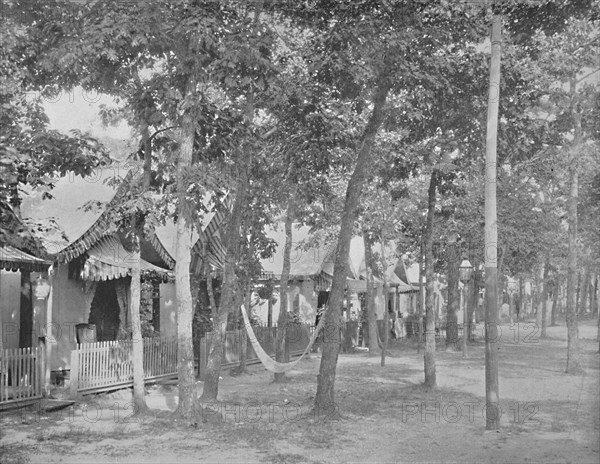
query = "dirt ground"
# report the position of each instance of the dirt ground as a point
(386, 414)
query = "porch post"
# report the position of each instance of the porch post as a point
(41, 371)
(50, 338)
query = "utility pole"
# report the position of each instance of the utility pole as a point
(492, 396)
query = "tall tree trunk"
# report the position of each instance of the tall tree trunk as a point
(243, 334)
(370, 297)
(270, 311)
(325, 397)
(421, 305)
(573, 356)
(594, 296)
(136, 327)
(555, 294)
(228, 286)
(578, 293)
(545, 292)
(429, 356)
(585, 291)
(502, 279)
(185, 310)
(147, 143)
(135, 286)
(453, 304)
(386, 314)
(283, 286)
(492, 396)
(472, 302)
(211, 296)
(245, 298)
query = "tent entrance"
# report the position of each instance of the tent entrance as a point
(104, 312)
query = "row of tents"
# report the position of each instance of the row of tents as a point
(75, 269)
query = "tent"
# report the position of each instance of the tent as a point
(90, 279)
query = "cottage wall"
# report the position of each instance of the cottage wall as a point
(301, 294)
(405, 303)
(10, 302)
(168, 310)
(307, 300)
(379, 303)
(71, 301)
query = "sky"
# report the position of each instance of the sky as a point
(78, 109)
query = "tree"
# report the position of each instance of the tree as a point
(365, 69)
(283, 286)
(453, 295)
(573, 132)
(187, 54)
(30, 152)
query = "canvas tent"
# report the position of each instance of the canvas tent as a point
(91, 276)
(311, 272)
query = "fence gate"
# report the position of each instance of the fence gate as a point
(20, 375)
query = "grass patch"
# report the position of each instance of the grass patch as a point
(72, 434)
(287, 458)
(14, 454)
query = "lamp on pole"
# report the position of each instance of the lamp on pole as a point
(466, 274)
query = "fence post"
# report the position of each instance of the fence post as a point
(74, 384)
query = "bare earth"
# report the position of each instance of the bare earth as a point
(386, 414)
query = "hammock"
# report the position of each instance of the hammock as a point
(269, 363)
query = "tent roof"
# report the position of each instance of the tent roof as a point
(393, 273)
(13, 259)
(73, 224)
(412, 273)
(108, 260)
(306, 260)
(73, 229)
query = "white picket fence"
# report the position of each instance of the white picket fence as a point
(104, 366)
(20, 375)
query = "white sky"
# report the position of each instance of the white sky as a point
(78, 109)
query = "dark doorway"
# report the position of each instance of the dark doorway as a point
(104, 311)
(322, 299)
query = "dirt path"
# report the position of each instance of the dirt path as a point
(387, 416)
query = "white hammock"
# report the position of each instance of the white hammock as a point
(269, 363)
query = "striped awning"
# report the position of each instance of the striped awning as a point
(13, 259)
(108, 260)
(323, 282)
(403, 287)
(161, 250)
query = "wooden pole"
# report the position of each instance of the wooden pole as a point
(465, 295)
(492, 395)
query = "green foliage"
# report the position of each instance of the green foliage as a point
(30, 152)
